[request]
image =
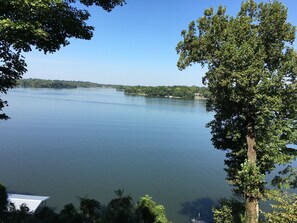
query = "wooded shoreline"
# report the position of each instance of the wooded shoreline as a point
(174, 92)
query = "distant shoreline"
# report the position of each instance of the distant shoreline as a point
(62, 84)
(169, 97)
(171, 92)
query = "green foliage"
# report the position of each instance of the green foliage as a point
(58, 84)
(229, 211)
(149, 212)
(45, 25)
(69, 214)
(22, 214)
(250, 181)
(47, 215)
(120, 209)
(89, 208)
(182, 92)
(119, 192)
(107, 5)
(286, 178)
(40, 83)
(285, 208)
(12, 67)
(252, 68)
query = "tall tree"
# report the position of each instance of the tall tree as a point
(45, 25)
(251, 76)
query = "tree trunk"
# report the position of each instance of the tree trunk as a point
(251, 203)
(251, 210)
(251, 144)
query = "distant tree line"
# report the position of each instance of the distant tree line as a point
(183, 92)
(120, 209)
(59, 84)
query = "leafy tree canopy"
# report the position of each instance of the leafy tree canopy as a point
(44, 25)
(252, 68)
(150, 212)
(229, 211)
(284, 209)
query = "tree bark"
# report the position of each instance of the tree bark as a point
(251, 144)
(251, 210)
(251, 203)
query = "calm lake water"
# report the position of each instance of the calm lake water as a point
(67, 143)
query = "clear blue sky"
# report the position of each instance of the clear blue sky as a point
(133, 45)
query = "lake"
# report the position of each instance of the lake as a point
(76, 142)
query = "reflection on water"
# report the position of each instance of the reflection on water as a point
(70, 142)
(176, 104)
(199, 208)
